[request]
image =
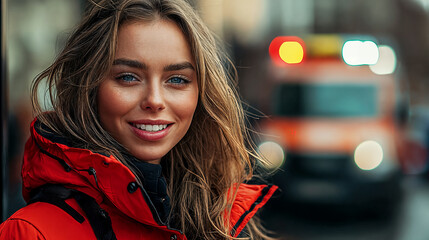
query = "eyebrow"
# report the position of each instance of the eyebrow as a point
(168, 68)
(130, 63)
(179, 66)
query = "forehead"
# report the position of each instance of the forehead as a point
(153, 40)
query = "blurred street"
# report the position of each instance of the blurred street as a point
(408, 222)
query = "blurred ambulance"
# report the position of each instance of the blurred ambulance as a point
(331, 136)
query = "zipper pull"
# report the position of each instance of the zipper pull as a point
(92, 171)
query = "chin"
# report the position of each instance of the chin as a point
(151, 158)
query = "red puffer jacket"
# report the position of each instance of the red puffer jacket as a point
(113, 187)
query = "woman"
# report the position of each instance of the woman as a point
(146, 139)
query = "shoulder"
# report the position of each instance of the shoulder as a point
(44, 221)
(15, 228)
(249, 199)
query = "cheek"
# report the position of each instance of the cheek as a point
(186, 106)
(113, 103)
(182, 105)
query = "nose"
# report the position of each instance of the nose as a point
(153, 99)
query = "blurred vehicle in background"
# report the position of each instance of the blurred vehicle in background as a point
(332, 130)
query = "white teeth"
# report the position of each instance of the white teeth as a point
(151, 128)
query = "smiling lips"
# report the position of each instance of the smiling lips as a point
(151, 130)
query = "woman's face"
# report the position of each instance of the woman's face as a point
(149, 97)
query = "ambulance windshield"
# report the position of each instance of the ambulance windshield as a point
(325, 100)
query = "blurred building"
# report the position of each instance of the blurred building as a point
(36, 30)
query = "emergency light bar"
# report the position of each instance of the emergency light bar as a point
(355, 50)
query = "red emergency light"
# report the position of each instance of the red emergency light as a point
(287, 50)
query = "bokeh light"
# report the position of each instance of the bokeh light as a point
(386, 63)
(272, 153)
(357, 53)
(368, 155)
(286, 50)
(291, 52)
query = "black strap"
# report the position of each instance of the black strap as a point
(56, 195)
(98, 218)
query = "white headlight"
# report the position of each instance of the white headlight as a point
(272, 153)
(368, 155)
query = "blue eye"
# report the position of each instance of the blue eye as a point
(177, 80)
(127, 78)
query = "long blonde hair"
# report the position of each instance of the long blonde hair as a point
(211, 157)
